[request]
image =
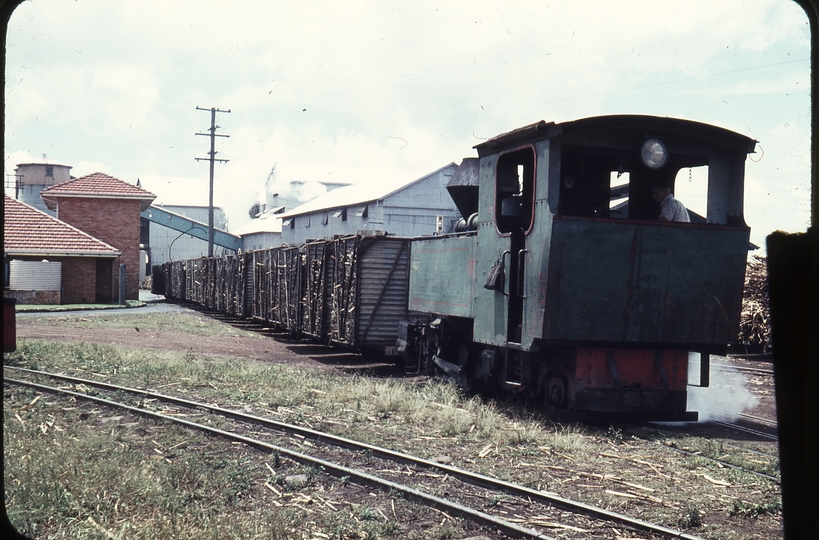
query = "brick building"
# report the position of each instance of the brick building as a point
(107, 209)
(50, 262)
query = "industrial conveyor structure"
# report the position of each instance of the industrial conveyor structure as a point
(186, 225)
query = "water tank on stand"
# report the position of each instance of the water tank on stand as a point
(30, 179)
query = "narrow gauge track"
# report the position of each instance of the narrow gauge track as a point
(528, 495)
(730, 367)
(756, 419)
(746, 429)
(751, 450)
(722, 463)
(689, 453)
(765, 423)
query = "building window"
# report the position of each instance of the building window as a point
(363, 213)
(344, 215)
(49, 170)
(307, 225)
(324, 218)
(144, 231)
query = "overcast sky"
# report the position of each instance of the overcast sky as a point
(385, 89)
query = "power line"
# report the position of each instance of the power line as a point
(675, 81)
(212, 159)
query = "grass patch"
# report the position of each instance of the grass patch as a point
(437, 408)
(23, 308)
(569, 439)
(85, 474)
(188, 323)
(691, 519)
(432, 419)
(754, 510)
(73, 470)
(709, 449)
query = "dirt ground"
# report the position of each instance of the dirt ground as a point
(279, 348)
(272, 347)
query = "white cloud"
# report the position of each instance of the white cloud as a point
(126, 94)
(176, 190)
(406, 85)
(84, 168)
(20, 156)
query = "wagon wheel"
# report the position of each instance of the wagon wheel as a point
(556, 392)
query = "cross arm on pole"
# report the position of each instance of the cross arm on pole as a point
(212, 134)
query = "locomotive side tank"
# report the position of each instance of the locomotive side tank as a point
(560, 294)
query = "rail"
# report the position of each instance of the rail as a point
(461, 474)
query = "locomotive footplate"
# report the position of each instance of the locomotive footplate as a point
(604, 417)
(643, 405)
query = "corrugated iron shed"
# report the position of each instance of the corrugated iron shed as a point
(268, 221)
(358, 194)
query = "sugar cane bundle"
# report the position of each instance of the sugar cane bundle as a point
(754, 322)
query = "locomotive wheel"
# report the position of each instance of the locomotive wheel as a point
(556, 392)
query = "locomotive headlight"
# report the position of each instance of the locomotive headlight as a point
(654, 154)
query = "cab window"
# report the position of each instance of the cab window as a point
(514, 190)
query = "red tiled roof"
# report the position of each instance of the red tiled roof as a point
(97, 185)
(28, 231)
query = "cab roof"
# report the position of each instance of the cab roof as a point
(730, 140)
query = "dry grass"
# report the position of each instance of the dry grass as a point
(189, 323)
(432, 419)
(80, 472)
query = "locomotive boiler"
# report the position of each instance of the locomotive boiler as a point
(561, 284)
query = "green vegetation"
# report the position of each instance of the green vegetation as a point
(691, 519)
(83, 474)
(705, 450)
(23, 308)
(188, 323)
(73, 470)
(752, 510)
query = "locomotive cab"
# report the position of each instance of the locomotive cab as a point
(605, 305)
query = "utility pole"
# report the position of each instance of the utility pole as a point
(212, 159)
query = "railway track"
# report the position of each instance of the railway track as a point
(755, 419)
(422, 478)
(749, 422)
(759, 421)
(767, 427)
(745, 429)
(730, 367)
(723, 463)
